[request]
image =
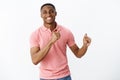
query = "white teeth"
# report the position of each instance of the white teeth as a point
(49, 18)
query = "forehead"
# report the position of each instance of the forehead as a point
(47, 7)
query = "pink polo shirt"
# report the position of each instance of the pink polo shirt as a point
(55, 64)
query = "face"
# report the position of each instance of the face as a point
(48, 14)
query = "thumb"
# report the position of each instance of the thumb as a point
(85, 35)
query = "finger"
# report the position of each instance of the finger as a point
(57, 33)
(85, 34)
(55, 30)
(88, 40)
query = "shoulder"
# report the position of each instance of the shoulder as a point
(65, 31)
(63, 28)
(36, 31)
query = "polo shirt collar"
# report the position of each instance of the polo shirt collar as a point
(46, 29)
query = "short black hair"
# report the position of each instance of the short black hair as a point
(47, 4)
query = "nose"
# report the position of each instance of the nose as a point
(48, 14)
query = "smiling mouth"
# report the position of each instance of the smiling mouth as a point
(48, 18)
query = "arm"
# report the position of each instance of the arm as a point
(79, 52)
(38, 54)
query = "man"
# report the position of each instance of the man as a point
(48, 46)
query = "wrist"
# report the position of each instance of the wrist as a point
(85, 46)
(51, 42)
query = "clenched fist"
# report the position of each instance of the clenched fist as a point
(86, 40)
(55, 36)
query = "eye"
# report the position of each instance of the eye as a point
(52, 11)
(44, 12)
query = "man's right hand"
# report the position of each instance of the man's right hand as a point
(55, 36)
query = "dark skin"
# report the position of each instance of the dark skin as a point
(48, 14)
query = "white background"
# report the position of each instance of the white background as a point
(100, 19)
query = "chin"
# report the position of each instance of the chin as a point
(49, 22)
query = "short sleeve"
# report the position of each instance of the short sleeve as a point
(71, 40)
(34, 39)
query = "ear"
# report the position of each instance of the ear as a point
(40, 15)
(55, 13)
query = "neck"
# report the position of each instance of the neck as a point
(51, 26)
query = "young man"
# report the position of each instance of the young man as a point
(48, 46)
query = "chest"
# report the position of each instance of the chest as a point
(45, 37)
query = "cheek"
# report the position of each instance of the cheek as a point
(43, 16)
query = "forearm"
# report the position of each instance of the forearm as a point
(81, 52)
(41, 53)
(83, 49)
(38, 54)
